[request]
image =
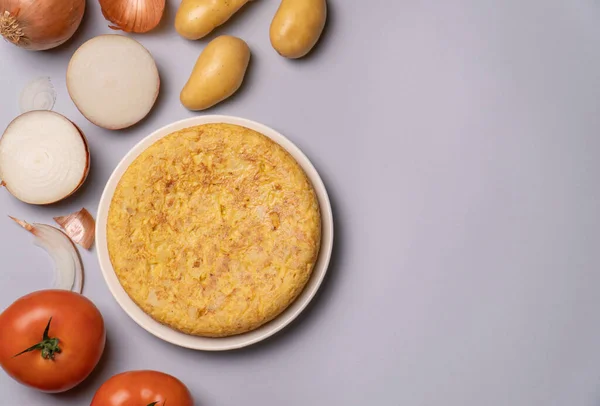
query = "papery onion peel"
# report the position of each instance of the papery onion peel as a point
(79, 226)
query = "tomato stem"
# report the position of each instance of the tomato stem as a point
(48, 346)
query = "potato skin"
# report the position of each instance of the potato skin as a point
(197, 18)
(297, 26)
(218, 73)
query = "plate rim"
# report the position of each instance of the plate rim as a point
(263, 332)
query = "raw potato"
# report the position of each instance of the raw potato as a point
(113, 80)
(197, 18)
(218, 73)
(297, 26)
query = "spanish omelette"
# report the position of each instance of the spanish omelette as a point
(214, 230)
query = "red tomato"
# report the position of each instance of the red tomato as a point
(143, 388)
(51, 339)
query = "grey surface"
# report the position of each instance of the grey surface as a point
(459, 141)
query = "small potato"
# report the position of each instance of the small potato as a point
(218, 73)
(197, 18)
(297, 26)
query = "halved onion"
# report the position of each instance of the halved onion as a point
(68, 268)
(113, 80)
(44, 157)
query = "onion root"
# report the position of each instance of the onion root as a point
(11, 30)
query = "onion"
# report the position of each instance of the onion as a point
(40, 25)
(79, 226)
(133, 15)
(39, 94)
(44, 157)
(68, 269)
(113, 81)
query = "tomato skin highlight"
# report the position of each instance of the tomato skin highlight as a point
(142, 388)
(76, 322)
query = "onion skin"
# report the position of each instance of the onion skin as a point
(139, 16)
(79, 226)
(87, 169)
(40, 25)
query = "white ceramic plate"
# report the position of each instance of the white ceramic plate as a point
(206, 343)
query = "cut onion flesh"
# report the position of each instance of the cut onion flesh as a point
(113, 81)
(44, 157)
(68, 269)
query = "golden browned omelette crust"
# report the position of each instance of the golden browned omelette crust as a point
(214, 230)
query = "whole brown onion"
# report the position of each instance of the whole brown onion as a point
(39, 25)
(133, 15)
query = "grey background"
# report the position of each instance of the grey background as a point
(459, 143)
